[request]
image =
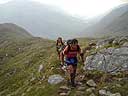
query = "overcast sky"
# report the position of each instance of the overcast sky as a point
(88, 8)
(83, 8)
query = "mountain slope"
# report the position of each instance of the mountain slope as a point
(20, 64)
(41, 20)
(113, 24)
(13, 32)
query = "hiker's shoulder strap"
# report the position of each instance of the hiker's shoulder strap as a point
(65, 51)
(78, 48)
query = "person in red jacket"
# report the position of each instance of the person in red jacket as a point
(70, 52)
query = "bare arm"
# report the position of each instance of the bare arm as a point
(65, 51)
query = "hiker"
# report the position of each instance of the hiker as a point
(61, 53)
(70, 52)
(59, 46)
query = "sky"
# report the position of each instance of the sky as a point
(4, 1)
(82, 8)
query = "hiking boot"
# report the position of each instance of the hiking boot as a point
(73, 80)
(73, 84)
(68, 83)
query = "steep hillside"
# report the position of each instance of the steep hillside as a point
(13, 32)
(19, 68)
(19, 62)
(113, 24)
(27, 64)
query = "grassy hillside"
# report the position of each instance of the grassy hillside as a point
(20, 60)
(9, 31)
(19, 74)
(21, 66)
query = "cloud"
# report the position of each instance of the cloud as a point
(88, 8)
(4, 1)
(124, 0)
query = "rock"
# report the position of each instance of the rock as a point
(109, 93)
(32, 79)
(81, 88)
(40, 68)
(28, 89)
(92, 94)
(109, 60)
(104, 42)
(19, 49)
(125, 44)
(63, 94)
(118, 85)
(80, 93)
(80, 78)
(123, 39)
(103, 92)
(64, 91)
(12, 72)
(23, 94)
(112, 40)
(116, 94)
(115, 42)
(55, 79)
(91, 83)
(6, 55)
(106, 87)
(79, 83)
(90, 90)
(42, 78)
(65, 88)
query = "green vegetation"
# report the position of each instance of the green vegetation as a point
(20, 60)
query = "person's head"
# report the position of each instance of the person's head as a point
(69, 42)
(59, 39)
(74, 43)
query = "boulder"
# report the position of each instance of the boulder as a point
(103, 92)
(65, 88)
(80, 93)
(125, 44)
(104, 42)
(81, 88)
(92, 94)
(90, 90)
(116, 94)
(55, 79)
(108, 60)
(63, 94)
(91, 83)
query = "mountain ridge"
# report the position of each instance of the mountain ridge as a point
(113, 24)
(41, 20)
(9, 31)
